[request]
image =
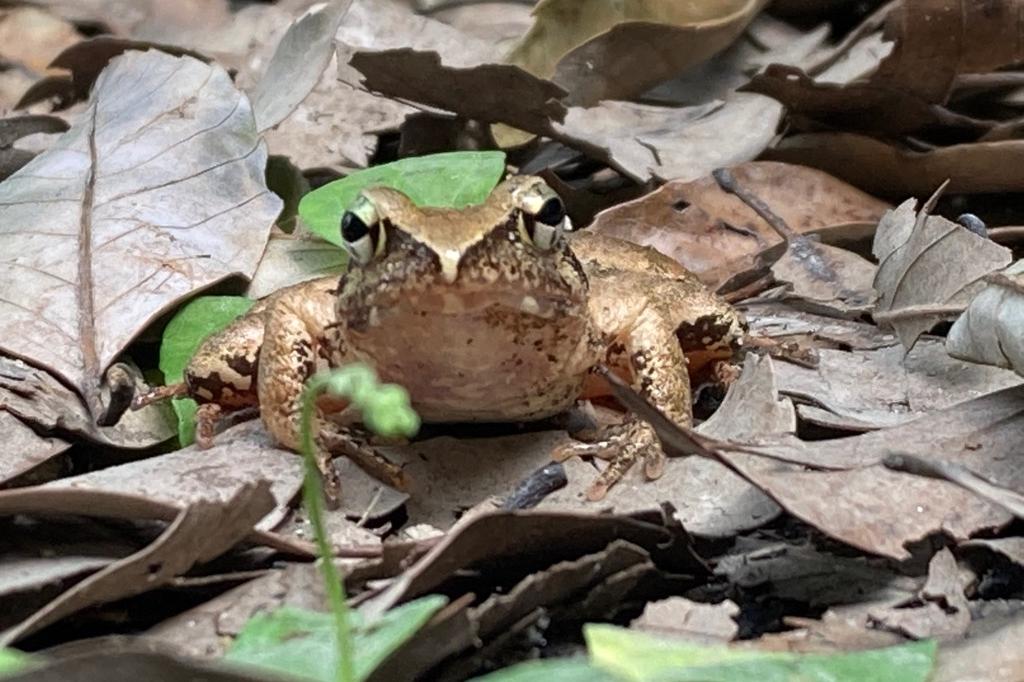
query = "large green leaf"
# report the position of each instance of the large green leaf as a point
(637, 657)
(197, 320)
(453, 179)
(301, 643)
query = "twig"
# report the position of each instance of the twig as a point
(912, 312)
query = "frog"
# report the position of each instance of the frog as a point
(495, 312)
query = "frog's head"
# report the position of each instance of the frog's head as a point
(508, 250)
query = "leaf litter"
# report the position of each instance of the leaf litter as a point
(854, 489)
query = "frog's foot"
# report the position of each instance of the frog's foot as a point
(623, 445)
(207, 417)
(354, 444)
(158, 393)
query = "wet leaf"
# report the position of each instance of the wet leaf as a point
(454, 179)
(138, 209)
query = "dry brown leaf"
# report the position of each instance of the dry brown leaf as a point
(944, 614)
(207, 630)
(599, 51)
(866, 390)
(715, 235)
(802, 572)
(41, 401)
(781, 322)
(201, 532)
(239, 457)
(880, 511)
(889, 170)
(137, 208)
(534, 538)
(32, 37)
(927, 263)
(681, 618)
(93, 666)
(989, 331)
(936, 40)
(500, 23)
(85, 61)
(641, 141)
(25, 449)
(992, 654)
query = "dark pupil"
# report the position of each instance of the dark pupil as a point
(352, 227)
(552, 212)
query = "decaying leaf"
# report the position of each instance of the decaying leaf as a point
(990, 329)
(152, 195)
(599, 51)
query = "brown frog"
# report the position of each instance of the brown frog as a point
(488, 313)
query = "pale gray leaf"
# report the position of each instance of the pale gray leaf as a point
(157, 191)
(299, 60)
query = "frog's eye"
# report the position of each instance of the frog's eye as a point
(544, 226)
(362, 232)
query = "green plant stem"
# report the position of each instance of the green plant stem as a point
(313, 497)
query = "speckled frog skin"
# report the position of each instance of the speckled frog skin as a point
(488, 313)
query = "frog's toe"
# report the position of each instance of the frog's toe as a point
(622, 446)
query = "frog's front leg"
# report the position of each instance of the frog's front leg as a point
(658, 366)
(292, 343)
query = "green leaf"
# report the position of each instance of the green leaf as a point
(196, 320)
(187, 329)
(549, 670)
(453, 179)
(12, 661)
(300, 643)
(185, 411)
(639, 657)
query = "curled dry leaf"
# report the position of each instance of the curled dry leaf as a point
(929, 269)
(153, 194)
(598, 50)
(715, 235)
(991, 330)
